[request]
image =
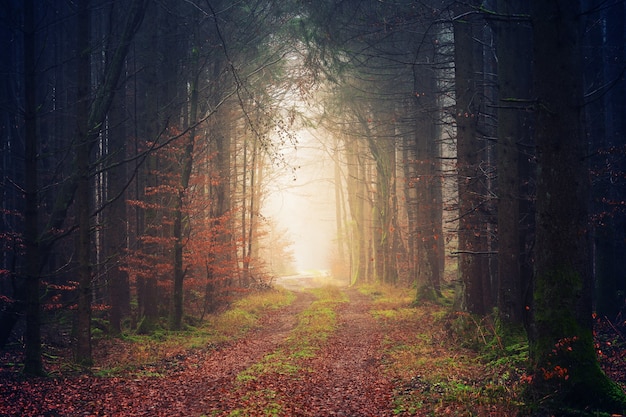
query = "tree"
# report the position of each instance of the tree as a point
(513, 150)
(32, 359)
(115, 221)
(358, 207)
(84, 138)
(186, 164)
(11, 172)
(562, 354)
(90, 117)
(427, 232)
(472, 236)
(605, 91)
(382, 146)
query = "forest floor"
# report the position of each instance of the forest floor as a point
(326, 352)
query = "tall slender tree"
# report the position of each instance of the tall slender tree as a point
(33, 364)
(187, 158)
(472, 247)
(513, 154)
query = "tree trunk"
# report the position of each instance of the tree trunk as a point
(381, 143)
(410, 198)
(339, 210)
(176, 312)
(471, 235)
(562, 354)
(607, 131)
(83, 196)
(428, 188)
(514, 81)
(116, 222)
(32, 358)
(90, 118)
(355, 204)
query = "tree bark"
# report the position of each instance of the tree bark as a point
(562, 354)
(176, 312)
(381, 142)
(428, 227)
(116, 221)
(83, 196)
(471, 235)
(514, 81)
(33, 364)
(356, 201)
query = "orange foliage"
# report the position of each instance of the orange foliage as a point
(207, 242)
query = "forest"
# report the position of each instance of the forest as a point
(474, 181)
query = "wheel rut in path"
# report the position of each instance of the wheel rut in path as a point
(348, 375)
(200, 388)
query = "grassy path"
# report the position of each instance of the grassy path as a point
(323, 352)
(330, 365)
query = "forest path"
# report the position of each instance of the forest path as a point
(189, 384)
(344, 377)
(348, 373)
(262, 373)
(331, 352)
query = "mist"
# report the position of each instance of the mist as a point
(304, 203)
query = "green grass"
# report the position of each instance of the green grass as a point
(397, 314)
(233, 323)
(386, 296)
(266, 300)
(264, 402)
(273, 363)
(445, 361)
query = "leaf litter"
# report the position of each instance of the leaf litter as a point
(394, 360)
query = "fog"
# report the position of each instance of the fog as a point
(304, 203)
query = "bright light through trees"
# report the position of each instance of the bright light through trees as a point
(304, 203)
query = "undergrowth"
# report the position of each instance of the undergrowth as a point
(445, 362)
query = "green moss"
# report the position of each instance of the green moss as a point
(146, 326)
(555, 298)
(564, 362)
(592, 389)
(426, 293)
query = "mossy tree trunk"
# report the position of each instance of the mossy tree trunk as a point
(564, 363)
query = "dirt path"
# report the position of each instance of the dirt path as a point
(401, 362)
(343, 378)
(190, 385)
(346, 378)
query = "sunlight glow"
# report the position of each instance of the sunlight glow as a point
(305, 205)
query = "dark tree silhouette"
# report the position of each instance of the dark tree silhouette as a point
(562, 353)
